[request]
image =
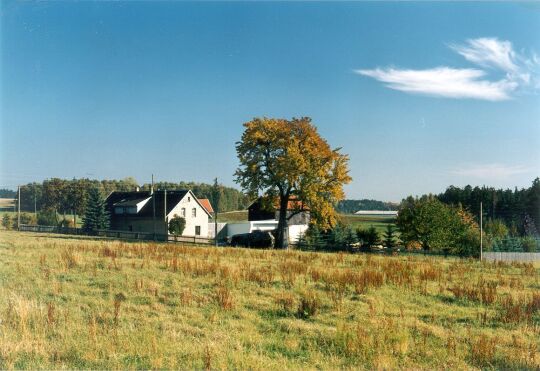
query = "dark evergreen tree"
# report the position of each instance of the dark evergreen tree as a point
(368, 238)
(96, 215)
(315, 238)
(336, 238)
(350, 238)
(390, 237)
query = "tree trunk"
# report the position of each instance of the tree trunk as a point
(282, 240)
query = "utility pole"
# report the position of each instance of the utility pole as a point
(216, 206)
(481, 233)
(19, 208)
(165, 212)
(153, 207)
(35, 202)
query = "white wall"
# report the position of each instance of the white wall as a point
(237, 228)
(222, 229)
(201, 219)
(295, 231)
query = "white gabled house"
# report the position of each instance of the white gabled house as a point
(144, 211)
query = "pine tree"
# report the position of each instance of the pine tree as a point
(350, 237)
(336, 238)
(315, 238)
(96, 215)
(390, 237)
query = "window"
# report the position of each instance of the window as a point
(194, 212)
(197, 229)
(183, 212)
(189, 199)
(125, 210)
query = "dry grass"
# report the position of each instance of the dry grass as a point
(82, 303)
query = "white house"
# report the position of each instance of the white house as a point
(150, 212)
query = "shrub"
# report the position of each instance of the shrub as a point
(46, 218)
(6, 221)
(177, 225)
(66, 223)
(26, 218)
(309, 304)
(529, 244)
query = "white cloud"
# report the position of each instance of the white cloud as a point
(518, 71)
(443, 82)
(490, 171)
(489, 52)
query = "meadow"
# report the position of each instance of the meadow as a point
(88, 303)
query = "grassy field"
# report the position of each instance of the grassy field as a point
(233, 216)
(82, 303)
(363, 221)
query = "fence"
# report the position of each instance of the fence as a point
(511, 256)
(123, 235)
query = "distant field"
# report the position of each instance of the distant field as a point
(233, 216)
(361, 221)
(355, 221)
(7, 203)
(72, 303)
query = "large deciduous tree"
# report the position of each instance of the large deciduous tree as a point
(288, 160)
(437, 226)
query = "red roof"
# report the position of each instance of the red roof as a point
(293, 204)
(206, 204)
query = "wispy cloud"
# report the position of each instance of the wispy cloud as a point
(490, 53)
(493, 171)
(443, 82)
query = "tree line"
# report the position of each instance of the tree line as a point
(69, 197)
(352, 206)
(518, 209)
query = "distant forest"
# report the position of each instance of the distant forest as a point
(7, 193)
(519, 209)
(70, 196)
(352, 206)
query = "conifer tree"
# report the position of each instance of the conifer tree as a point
(315, 238)
(350, 237)
(390, 236)
(96, 215)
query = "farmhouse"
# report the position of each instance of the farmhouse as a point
(150, 212)
(264, 215)
(297, 211)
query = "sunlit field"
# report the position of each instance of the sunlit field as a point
(81, 303)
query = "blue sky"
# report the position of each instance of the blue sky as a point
(420, 95)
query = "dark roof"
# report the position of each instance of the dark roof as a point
(130, 202)
(173, 198)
